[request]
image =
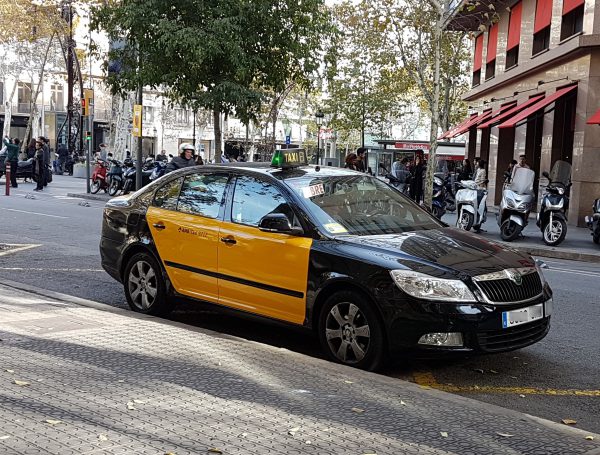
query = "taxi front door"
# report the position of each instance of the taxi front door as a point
(262, 272)
(186, 234)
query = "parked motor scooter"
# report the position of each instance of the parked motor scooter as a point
(438, 201)
(99, 180)
(129, 176)
(159, 170)
(517, 200)
(115, 177)
(552, 218)
(450, 185)
(470, 205)
(593, 221)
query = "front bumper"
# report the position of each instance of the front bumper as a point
(480, 325)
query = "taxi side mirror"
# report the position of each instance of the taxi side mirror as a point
(277, 222)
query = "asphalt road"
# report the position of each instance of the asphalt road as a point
(558, 378)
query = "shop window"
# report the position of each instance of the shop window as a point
(514, 35)
(541, 41)
(572, 23)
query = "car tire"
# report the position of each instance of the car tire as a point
(509, 230)
(554, 233)
(145, 287)
(351, 332)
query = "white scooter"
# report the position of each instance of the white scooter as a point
(470, 206)
(517, 200)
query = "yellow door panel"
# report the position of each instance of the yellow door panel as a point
(263, 272)
(187, 246)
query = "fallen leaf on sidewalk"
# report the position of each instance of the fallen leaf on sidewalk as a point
(53, 422)
(121, 380)
(569, 421)
(139, 402)
(494, 372)
(21, 383)
(214, 451)
(307, 442)
(2, 438)
(589, 438)
(444, 434)
(130, 406)
(505, 435)
(102, 437)
(349, 382)
(402, 403)
(522, 396)
(10, 371)
(292, 431)
(358, 410)
(478, 370)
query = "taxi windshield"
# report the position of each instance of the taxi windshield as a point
(359, 205)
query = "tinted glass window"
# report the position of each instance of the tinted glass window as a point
(254, 198)
(202, 194)
(166, 196)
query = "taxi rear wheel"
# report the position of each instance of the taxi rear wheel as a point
(145, 287)
(350, 331)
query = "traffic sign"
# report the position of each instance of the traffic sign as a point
(288, 140)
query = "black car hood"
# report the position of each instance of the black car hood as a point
(445, 248)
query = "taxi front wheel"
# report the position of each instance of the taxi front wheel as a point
(350, 331)
(144, 286)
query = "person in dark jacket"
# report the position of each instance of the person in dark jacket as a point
(467, 171)
(31, 149)
(185, 158)
(63, 155)
(42, 160)
(12, 159)
(416, 181)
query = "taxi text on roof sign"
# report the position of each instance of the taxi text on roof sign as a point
(289, 158)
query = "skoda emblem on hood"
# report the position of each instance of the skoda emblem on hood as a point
(514, 276)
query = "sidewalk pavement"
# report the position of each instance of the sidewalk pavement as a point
(80, 377)
(578, 244)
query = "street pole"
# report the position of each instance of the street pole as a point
(194, 129)
(138, 164)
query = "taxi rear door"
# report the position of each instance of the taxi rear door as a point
(185, 230)
(262, 272)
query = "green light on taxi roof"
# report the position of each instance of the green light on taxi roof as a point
(277, 160)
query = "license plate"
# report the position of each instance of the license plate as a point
(522, 316)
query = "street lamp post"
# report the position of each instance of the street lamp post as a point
(319, 116)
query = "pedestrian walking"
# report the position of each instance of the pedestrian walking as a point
(12, 159)
(42, 160)
(360, 162)
(416, 180)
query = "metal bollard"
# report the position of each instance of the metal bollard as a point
(7, 176)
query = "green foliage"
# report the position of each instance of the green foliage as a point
(218, 55)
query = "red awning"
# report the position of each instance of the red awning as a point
(478, 52)
(514, 26)
(510, 112)
(570, 5)
(542, 103)
(543, 15)
(594, 119)
(492, 43)
(471, 123)
(460, 125)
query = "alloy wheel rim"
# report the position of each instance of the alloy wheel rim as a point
(347, 332)
(553, 231)
(143, 285)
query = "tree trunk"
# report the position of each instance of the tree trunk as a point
(35, 96)
(435, 109)
(8, 111)
(217, 128)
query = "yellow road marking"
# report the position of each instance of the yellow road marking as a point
(428, 381)
(20, 247)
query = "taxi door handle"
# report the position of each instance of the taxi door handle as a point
(159, 226)
(229, 240)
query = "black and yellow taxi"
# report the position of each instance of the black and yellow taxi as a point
(331, 249)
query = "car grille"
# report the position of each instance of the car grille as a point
(514, 337)
(505, 290)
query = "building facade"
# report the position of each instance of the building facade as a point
(535, 88)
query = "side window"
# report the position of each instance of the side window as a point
(254, 198)
(166, 196)
(202, 194)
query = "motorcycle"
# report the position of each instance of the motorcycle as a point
(99, 180)
(552, 218)
(438, 201)
(471, 206)
(517, 200)
(593, 221)
(450, 185)
(25, 170)
(115, 177)
(159, 170)
(129, 175)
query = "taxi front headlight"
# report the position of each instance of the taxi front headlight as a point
(424, 286)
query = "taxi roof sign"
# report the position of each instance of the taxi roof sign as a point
(288, 158)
